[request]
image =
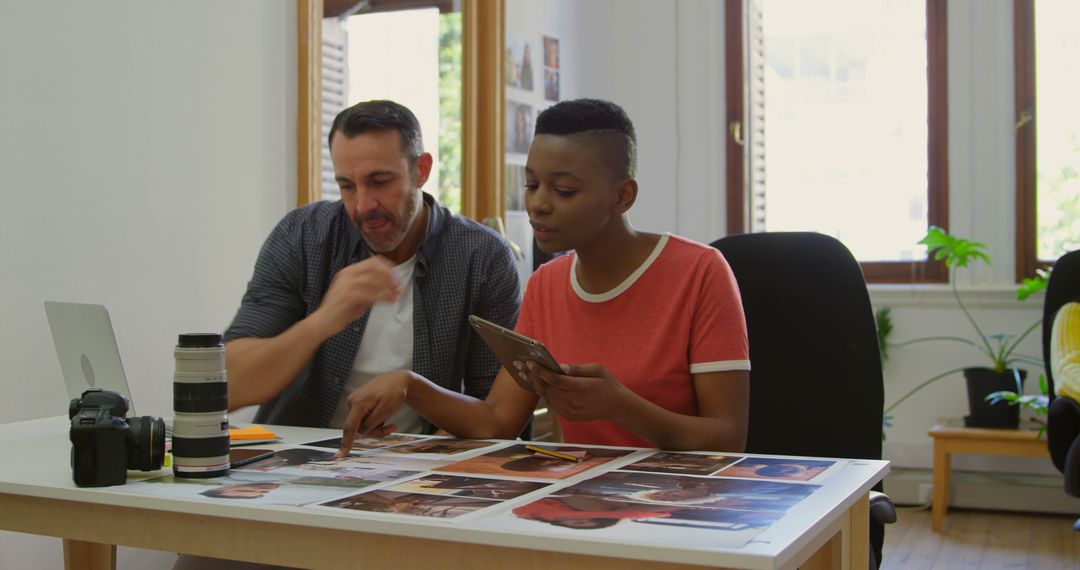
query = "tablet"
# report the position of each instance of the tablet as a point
(510, 347)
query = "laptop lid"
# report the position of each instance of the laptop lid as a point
(86, 347)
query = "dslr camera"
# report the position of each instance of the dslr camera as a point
(104, 445)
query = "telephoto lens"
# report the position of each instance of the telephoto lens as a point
(200, 442)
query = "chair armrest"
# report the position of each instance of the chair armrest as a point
(882, 509)
(1062, 427)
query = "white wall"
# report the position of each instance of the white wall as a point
(663, 62)
(146, 150)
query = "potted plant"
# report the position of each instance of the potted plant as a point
(999, 371)
(1039, 403)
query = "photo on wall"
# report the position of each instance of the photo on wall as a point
(515, 187)
(551, 68)
(519, 127)
(519, 67)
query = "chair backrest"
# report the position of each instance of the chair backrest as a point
(1064, 286)
(815, 380)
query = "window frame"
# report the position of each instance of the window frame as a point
(481, 94)
(1025, 132)
(927, 271)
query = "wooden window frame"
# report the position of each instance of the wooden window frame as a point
(481, 115)
(1026, 128)
(927, 271)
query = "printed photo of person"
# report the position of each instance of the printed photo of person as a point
(586, 512)
(778, 468)
(595, 512)
(682, 463)
(477, 487)
(551, 84)
(517, 461)
(364, 443)
(515, 187)
(717, 519)
(414, 504)
(447, 446)
(293, 457)
(551, 68)
(246, 486)
(686, 491)
(519, 125)
(551, 52)
(519, 67)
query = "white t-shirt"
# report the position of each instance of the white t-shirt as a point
(387, 345)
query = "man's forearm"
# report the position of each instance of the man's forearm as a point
(261, 368)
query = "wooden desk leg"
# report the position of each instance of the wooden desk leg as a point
(942, 471)
(849, 548)
(80, 555)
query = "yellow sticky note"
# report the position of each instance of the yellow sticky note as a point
(251, 432)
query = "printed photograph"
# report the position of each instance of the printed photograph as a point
(551, 52)
(294, 457)
(519, 66)
(363, 443)
(247, 487)
(590, 512)
(551, 84)
(687, 491)
(778, 468)
(682, 463)
(551, 68)
(519, 127)
(414, 504)
(476, 487)
(716, 519)
(516, 461)
(447, 446)
(515, 187)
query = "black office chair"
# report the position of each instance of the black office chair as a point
(816, 385)
(1063, 417)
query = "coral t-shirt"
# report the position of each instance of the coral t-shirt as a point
(677, 315)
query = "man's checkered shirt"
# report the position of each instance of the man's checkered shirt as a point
(462, 268)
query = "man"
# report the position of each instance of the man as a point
(380, 283)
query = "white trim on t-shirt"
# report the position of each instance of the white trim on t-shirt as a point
(618, 290)
(719, 366)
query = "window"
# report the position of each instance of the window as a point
(1047, 132)
(845, 126)
(476, 73)
(424, 41)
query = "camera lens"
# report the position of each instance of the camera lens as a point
(200, 442)
(145, 443)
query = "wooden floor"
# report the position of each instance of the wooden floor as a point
(981, 539)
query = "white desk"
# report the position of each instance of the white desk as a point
(828, 529)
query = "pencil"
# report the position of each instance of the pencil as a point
(552, 453)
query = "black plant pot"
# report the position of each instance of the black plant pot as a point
(984, 381)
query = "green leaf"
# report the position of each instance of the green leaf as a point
(1032, 285)
(956, 252)
(883, 324)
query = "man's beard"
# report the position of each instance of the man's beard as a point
(401, 224)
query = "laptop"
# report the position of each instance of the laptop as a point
(86, 346)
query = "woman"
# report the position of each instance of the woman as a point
(649, 327)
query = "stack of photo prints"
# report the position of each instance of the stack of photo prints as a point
(625, 494)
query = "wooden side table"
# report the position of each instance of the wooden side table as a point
(950, 436)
